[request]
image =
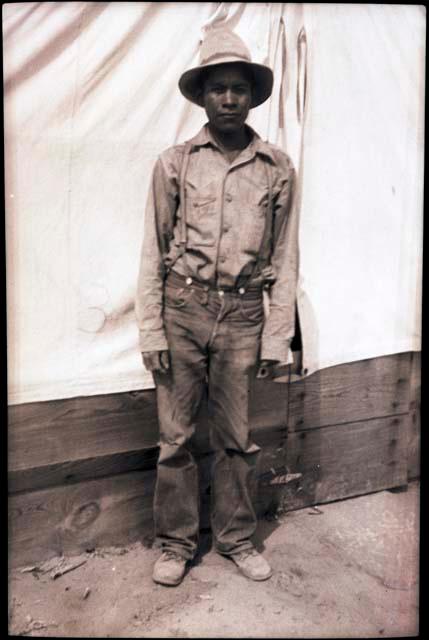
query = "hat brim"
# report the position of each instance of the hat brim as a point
(190, 82)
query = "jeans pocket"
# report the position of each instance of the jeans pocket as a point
(252, 309)
(177, 297)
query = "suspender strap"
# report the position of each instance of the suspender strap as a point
(182, 196)
(182, 199)
(267, 241)
(266, 245)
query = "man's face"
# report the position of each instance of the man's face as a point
(227, 95)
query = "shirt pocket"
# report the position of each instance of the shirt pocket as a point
(201, 218)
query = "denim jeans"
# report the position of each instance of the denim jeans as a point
(214, 341)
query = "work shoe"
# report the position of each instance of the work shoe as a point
(252, 564)
(169, 569)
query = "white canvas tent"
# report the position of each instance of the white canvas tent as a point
(91, 98)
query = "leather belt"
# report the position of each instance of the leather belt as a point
(182, 281)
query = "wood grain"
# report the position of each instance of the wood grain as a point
(72, 471)
(78, 470)
(414, 434)
(346, 460)
(71, 519)
(350, 392)
(79, 428)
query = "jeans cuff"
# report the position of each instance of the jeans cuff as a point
(186, 554)
(243, 546)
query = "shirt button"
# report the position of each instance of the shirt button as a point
(225, 228)
(222, 259)
(228, 197)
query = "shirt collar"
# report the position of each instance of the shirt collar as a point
(256, 145)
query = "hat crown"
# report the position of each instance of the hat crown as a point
(221, 43)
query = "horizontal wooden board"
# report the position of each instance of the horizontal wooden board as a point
(351, 392)
(310, 468)
(345, 460)
(89, 427)
(80, 428)
(72, 471)
(92, 431)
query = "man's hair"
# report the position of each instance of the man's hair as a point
(206, 71)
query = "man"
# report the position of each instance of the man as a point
(216, 234)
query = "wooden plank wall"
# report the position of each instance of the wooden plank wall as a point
(82, 470)
(414, 418)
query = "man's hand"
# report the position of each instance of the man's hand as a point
(158, 361)
(266, 368)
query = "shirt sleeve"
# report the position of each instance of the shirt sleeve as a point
(159, 222)
(279, 327)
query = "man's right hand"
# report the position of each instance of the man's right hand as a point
(156, 361)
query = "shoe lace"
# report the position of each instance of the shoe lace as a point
(242, 555)
(172, 555)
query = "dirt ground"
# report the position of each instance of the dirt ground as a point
(345, 569)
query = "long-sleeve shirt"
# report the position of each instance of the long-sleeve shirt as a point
(226, 206)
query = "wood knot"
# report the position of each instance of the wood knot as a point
(85, 515)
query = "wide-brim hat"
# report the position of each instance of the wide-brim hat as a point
(223, 46)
